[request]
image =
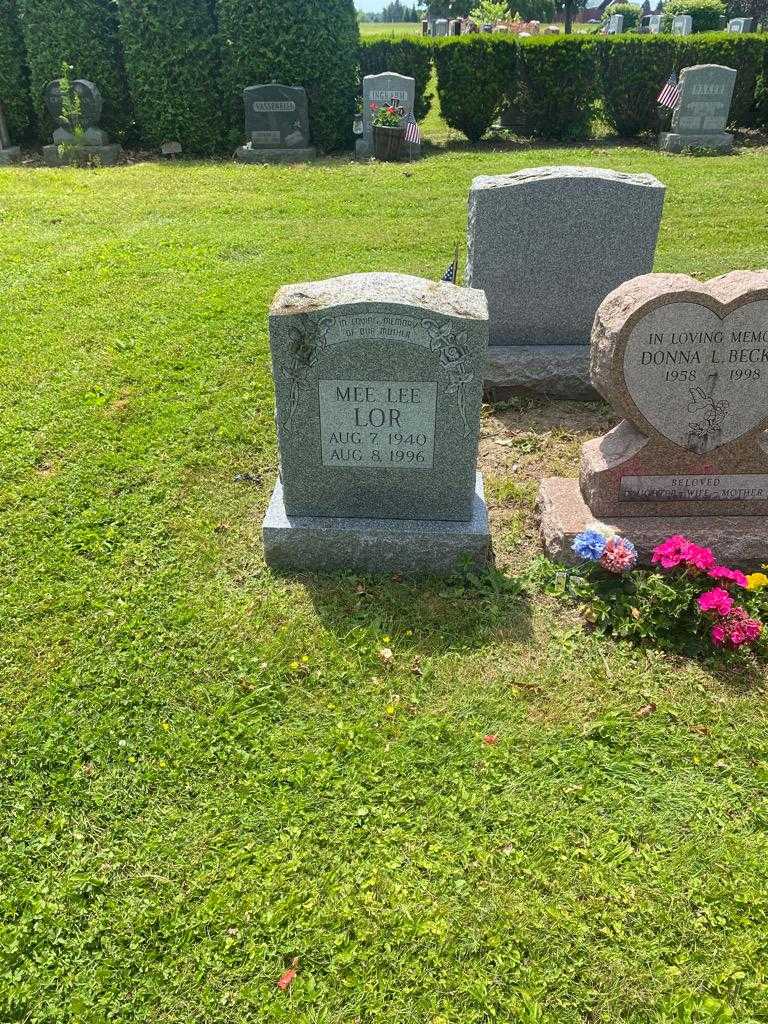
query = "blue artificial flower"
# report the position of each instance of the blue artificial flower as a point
(590, 545)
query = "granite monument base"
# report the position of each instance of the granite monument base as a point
(82, 156)
(558, 371)
(9, 156)
(303, 544)
(673, 142)
(562, 513)
(244, 155)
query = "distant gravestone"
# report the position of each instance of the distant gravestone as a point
(685, 365)
(615, 24)
(547, 244)
(701, 116)
(378, 382)
(8, 154)
(277, 125)
(381, 90)
(740, 25)
(682, 25)
(441, 27)
(455, 27)
(653, 23)
(77, 137)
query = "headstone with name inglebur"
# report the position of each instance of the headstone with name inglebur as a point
(381, 90)
(685, 366)
(547, 244)
(277, 125)
(378, 381)
(78, 137)
(701, 116)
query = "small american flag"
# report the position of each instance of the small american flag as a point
(452, 273)
(670, 95)
(412, 133)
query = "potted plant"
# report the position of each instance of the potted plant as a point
(388, 131)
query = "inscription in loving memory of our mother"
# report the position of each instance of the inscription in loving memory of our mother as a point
(699, 379)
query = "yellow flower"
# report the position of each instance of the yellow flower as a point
(757, 581)
(386, 639)
(305, 660)
(294, 666)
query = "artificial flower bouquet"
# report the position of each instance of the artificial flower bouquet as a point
(387, 115)
(687, 601)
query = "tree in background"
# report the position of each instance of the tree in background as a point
(570, 9)
(535, 10)
(489, 12)
(757, 9)
(631, 13)
(398, 12)
(449, 8)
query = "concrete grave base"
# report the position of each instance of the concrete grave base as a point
(559, 371)
(672, 142)
(12, 155)
(101, 156)
(303, 544)
(562, 514)
(275, 156)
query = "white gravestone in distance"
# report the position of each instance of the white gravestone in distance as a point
(682, 25)
(740, 25)
(378, 383)
(546, 245)
(381, 90)
(441, 27)
(701, 116)
(615, 24)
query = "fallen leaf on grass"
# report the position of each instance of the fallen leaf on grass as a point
(491, 739)
(360, 588)
(386, 656)
(288, 977)
(645, 710)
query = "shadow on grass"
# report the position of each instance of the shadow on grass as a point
(467, 611)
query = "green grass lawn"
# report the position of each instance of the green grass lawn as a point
(391, 28)
(208, 771)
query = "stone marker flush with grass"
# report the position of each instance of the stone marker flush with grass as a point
(378, 383)
(685, 366)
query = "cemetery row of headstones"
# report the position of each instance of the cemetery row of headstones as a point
(682, 24)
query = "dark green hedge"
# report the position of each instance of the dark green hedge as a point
(14, 80)
(84, 34)
(558, 82)
(412, 57)
(171, 59)
(474, 74)
(295, 42)
(745, 53)
(632, 70)
(706, 15)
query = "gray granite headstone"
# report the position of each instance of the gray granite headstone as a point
(378, 381)
(615, 24)
(547, 245)
(740, 25)
(277, 125)
(78, 137)
(700, 118)
(682, 25)
(381, 89)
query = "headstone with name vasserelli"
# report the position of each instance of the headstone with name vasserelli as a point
(277, 125)
(380, 90)
(378, 381)
(701, 116)
(76, 109)
(547, 244)
(685, 366)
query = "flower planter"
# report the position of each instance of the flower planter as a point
(387, 142)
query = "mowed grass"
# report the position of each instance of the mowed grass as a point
(209, 771)
(390, 28)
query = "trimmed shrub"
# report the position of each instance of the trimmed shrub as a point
(412, 57)
(171, 59)
(294, 42)
(82, 33)
(474, 74)
(746, 53)
(632, 70)
(558, 85)
(14, 77)
(707, 15)
(631, 13)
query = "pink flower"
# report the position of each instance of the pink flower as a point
(717, 600)
(700, 558)
(619, 555)
(718, 635)
(672, 552)
(725, 575)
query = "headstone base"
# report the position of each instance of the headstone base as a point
(275, 156)
(672, 142)
(558, 371)
(12, 155)
(364, 151)
(299, 544)
(97, 156)
(562, 514)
